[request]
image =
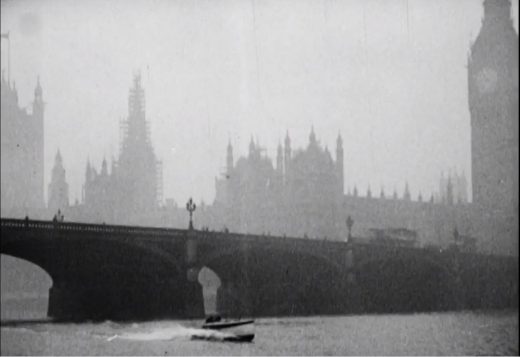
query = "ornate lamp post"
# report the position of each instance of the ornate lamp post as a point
(350, 223)
(190, 206)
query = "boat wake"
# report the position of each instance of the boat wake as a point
(170, 333)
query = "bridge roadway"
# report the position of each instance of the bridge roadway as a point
(138, 273)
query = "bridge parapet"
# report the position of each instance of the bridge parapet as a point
(89, 227)
(163, 232)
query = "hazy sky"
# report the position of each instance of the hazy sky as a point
(389, 75)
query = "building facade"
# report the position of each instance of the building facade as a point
(303, 196)
(302, 193)
(131, 191)
(493, 105)
(257, 197)
(21, 153)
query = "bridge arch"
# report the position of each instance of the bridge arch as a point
(54, 246)
(100, 277)
(210, 282)
(399, 256)
(405, 283)
(25, 289)
(245, 251)
(253, 277)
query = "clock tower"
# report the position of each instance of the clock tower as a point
(493, 105)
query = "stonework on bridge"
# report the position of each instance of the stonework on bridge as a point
(129, 273)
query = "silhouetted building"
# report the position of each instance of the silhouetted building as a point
(452, 189)
(254, 196)
(21, 153)
(251, 199)
(131, 191)
(58, 188)
(303, 194)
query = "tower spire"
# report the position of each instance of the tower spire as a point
(229, 158)
(287, 155)
(58, 187)
(406, 194)
(339, 165)
(251, 146)
(312, 136)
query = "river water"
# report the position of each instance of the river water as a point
(449, 333)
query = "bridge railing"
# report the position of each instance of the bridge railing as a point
(175, 233)
(154, 231)
(87, 227)
(269, 239)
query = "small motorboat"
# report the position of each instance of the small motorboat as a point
(231, 338)
(235, 330)
(218, 324)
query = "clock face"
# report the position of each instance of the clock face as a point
(487, 80)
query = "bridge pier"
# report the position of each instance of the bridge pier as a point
(64, 304)
(193, 295)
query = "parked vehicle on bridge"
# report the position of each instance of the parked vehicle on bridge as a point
(397, 237)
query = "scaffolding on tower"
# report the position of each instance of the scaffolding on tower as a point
(159, 185)
(123, 133)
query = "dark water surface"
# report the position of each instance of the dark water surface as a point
(453, 333)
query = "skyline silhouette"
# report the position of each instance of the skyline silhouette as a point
(229, 77)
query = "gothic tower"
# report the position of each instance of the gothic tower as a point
(279, 163)
(37, 159)
(287, 157)
(229, 159)
(58, 188)
(339, 164)
(21, 160)
(137, 170)
(493, 105)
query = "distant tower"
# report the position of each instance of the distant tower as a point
(382, 194)
(339, 164)
(312, 137)
(493, 104)
(287, 157)
(449, 192)
(279, 161)
(229, 159)
(88, 180)
(37, 181)
(22, 147)
(139, 180)
(252, 148)
(58, 187)
(369, 192)
(406, 195)
(104, 168)
(88, 172)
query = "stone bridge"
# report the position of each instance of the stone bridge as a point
(137, 273)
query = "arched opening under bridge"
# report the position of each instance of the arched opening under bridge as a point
(24, 289)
